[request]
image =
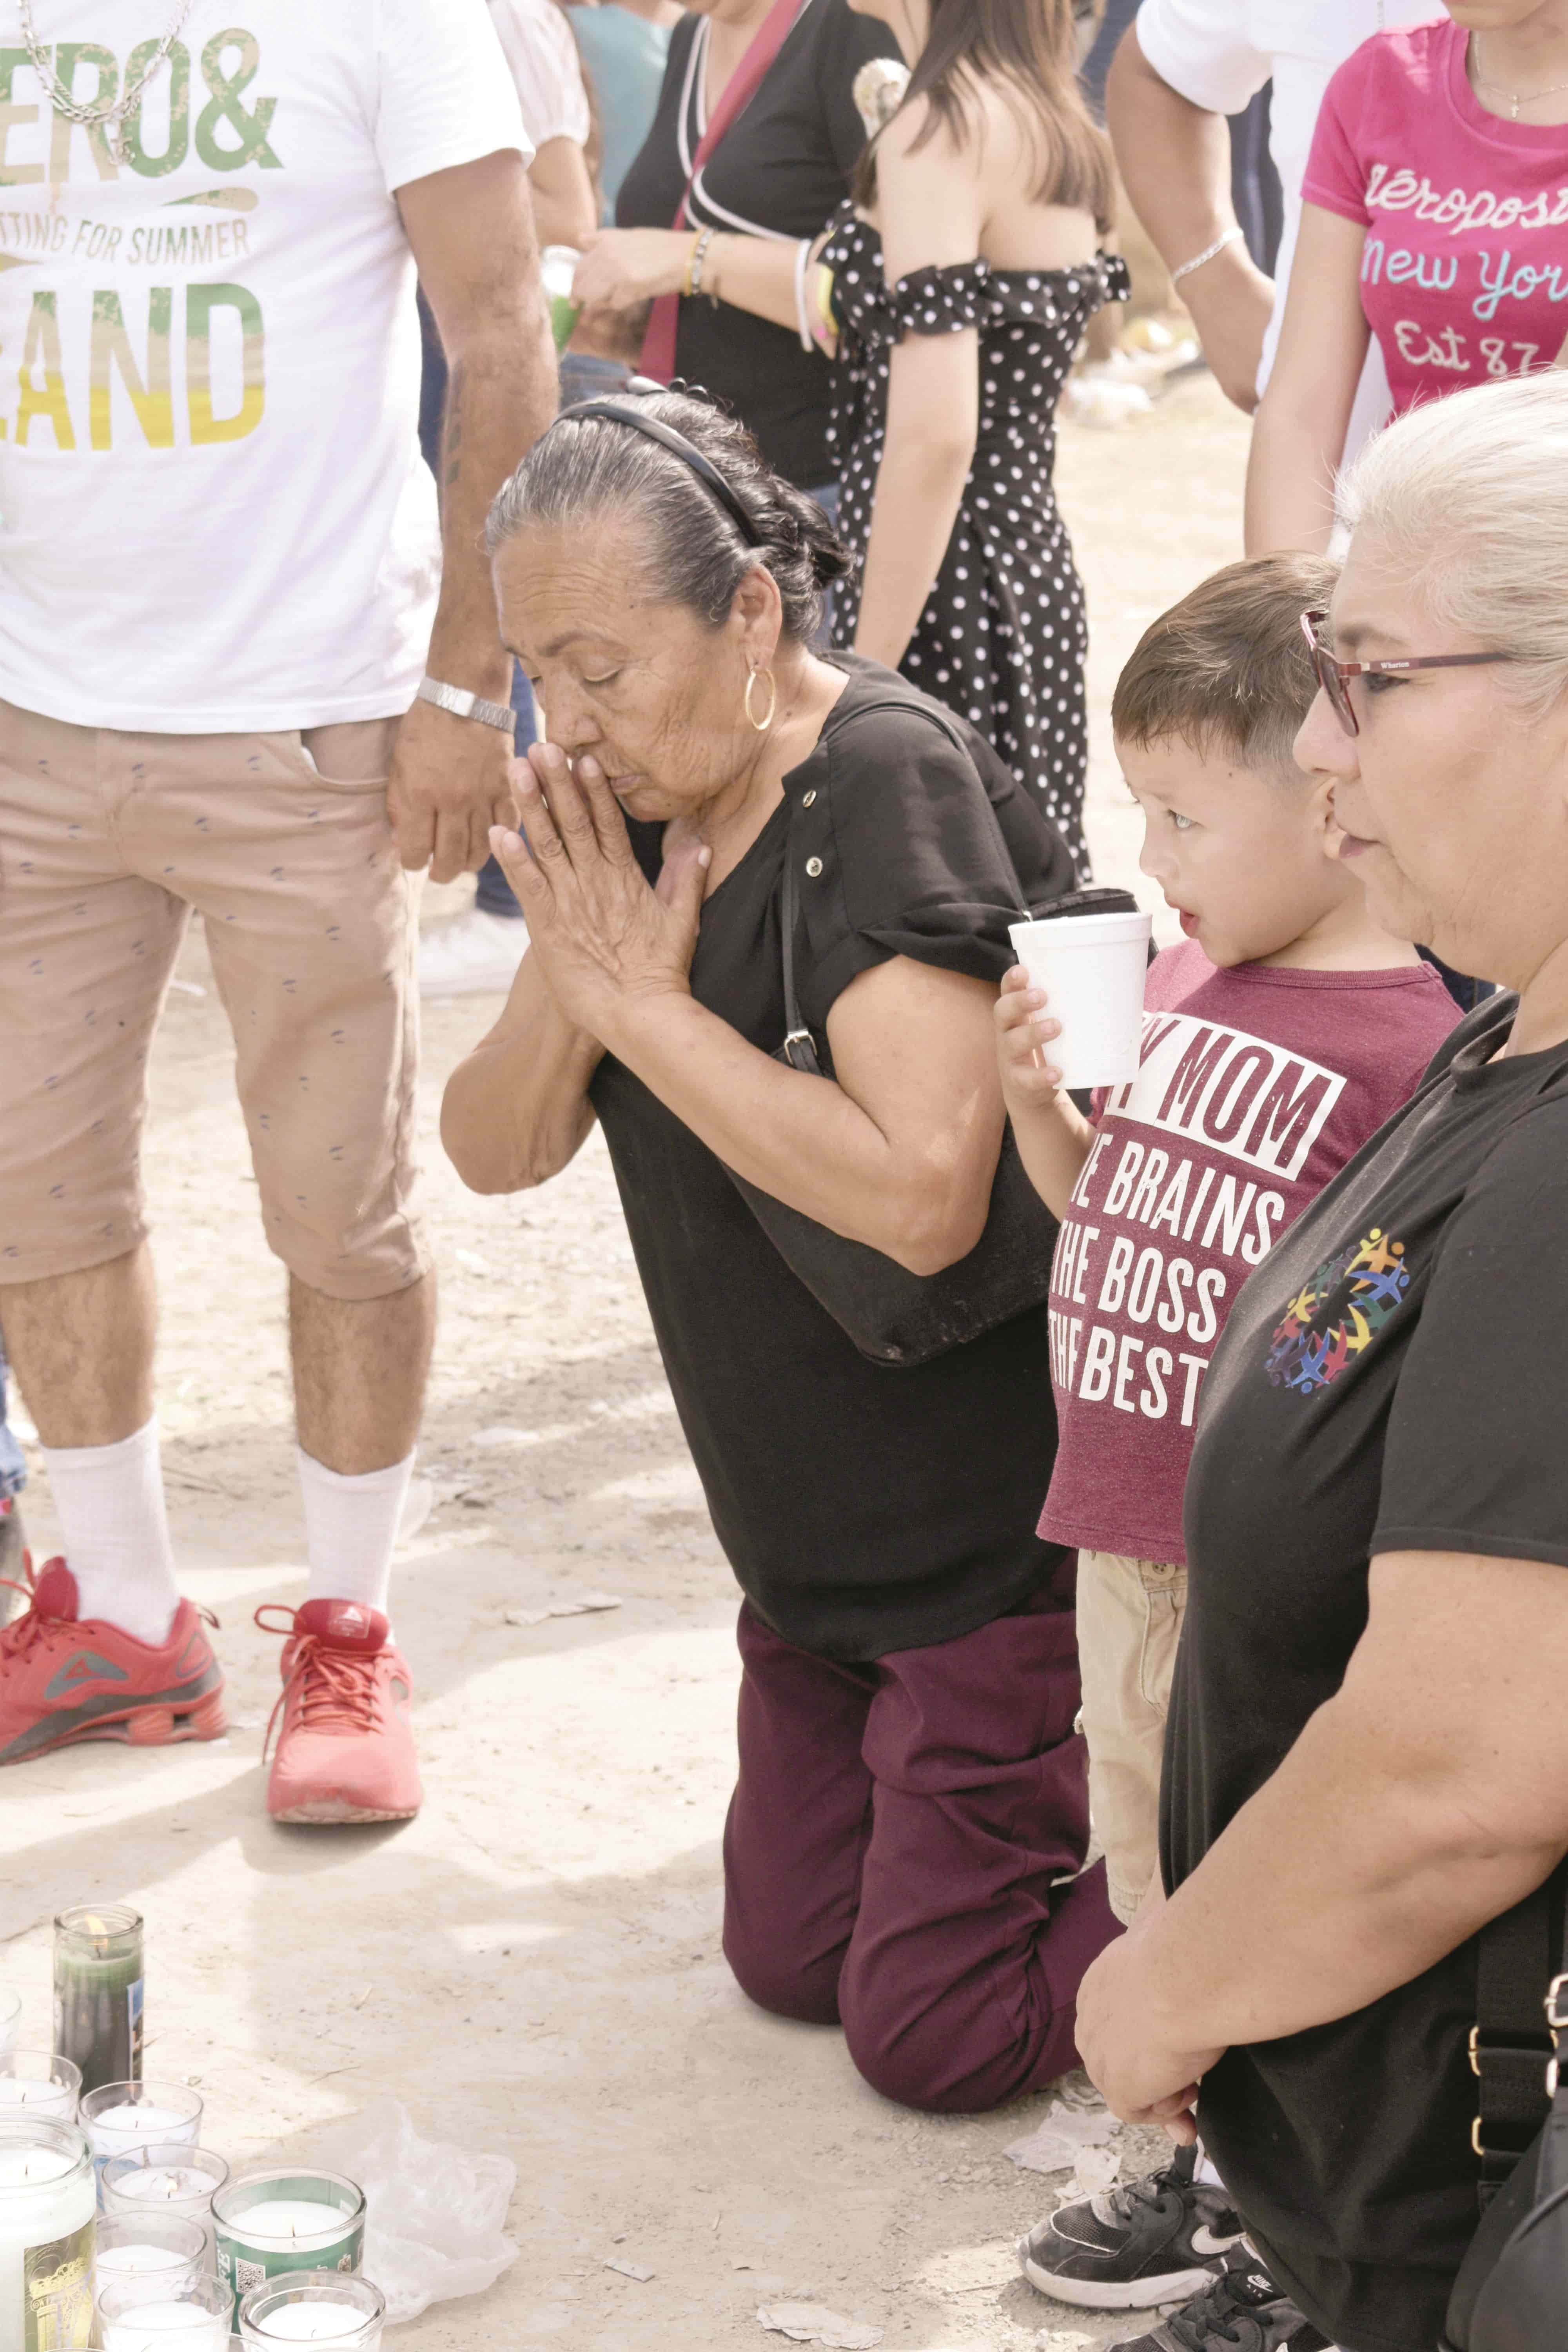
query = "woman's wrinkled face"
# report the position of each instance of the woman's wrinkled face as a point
(1453, 798)
(656, 698)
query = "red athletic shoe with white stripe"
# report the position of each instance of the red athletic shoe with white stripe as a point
(64, 1678)
(345, 1747)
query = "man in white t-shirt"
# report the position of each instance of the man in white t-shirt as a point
(222, 590)
(1183, 66)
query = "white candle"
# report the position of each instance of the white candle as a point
(47, 2204)
(311, 2322)
(127, 2261)
(118, 2130)
(285, 2218)
(166, 2328)
(164, 2184)
(37, 2096)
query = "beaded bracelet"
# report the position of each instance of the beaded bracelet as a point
(694, 267)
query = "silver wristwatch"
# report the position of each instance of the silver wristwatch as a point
(464, 705)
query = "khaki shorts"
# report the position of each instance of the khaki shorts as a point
(108, 841)
(1129, 1616)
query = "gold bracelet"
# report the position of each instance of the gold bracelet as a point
(690, 258)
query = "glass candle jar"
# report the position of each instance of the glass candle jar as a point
(266, 2223)
(48, 2206)
(121, 2118)
(149, 2246)
(313, 2307)
(167, 2179)
(98, 1993)
(148, 2314)
(32, 2083)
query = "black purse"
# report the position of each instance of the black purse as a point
(1511, 2292)
(897, 1318)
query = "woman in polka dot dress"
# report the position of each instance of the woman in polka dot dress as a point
(963, 277)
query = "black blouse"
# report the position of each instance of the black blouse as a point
(863, 1509)
(783, 171)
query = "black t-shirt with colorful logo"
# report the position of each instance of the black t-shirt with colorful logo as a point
(1391, 1379)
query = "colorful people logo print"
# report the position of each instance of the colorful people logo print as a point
(1302, 1357)
(198, 310)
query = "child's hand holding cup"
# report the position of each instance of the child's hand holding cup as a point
(1084, 958)
(1031, 1078)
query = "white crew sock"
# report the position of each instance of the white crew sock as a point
(110, 1499)
(351, 1526)
(1205, 2171)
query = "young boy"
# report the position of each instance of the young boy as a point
(1276, 1040)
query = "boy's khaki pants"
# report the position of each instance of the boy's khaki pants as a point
(1129, 1616)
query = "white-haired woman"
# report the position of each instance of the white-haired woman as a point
(1368, 1757)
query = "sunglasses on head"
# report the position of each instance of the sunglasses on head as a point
(1334, 677)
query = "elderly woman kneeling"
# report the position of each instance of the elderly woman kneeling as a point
(1366, 1776)
(903, 1849)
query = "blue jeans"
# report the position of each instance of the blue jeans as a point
(13, 1469)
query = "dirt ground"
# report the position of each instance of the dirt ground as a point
(533, 1965)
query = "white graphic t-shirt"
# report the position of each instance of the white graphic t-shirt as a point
(213, 517)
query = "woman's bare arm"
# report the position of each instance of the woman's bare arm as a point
(1299, 434)
(516, 1110)
(899, 1153)
(933, 204)
(1428, 1796)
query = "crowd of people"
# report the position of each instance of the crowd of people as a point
(1146, 1504)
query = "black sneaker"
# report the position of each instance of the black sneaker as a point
(1148, 2241)
(1243, 2311)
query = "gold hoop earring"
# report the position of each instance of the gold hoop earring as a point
(766, 720)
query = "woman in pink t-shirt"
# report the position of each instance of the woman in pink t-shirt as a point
(1435, 217)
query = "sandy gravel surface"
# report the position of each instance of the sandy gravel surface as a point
(533, 1965)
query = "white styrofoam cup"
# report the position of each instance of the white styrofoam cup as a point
(1091, 968)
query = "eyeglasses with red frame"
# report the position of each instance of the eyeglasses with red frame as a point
(1334, 677)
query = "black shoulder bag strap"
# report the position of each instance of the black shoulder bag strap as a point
(799, 1047)
(1512, 2287)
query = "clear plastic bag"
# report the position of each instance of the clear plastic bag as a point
(434, 2213)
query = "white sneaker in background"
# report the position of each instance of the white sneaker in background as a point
(474, 956)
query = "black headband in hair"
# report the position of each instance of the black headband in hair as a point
(627, 411)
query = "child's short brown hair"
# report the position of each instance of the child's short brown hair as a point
(1227, 669)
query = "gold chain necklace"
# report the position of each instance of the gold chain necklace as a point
(1516, 98)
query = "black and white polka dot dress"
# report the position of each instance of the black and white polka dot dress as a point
(1002, 636)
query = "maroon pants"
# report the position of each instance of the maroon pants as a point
(891, 1853)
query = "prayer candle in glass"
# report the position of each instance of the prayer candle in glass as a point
(98, 1993)
(148, 2314)
(149, 2244)
(121, 2118)
(313, 2307)
(33, 2084)
(169, 2178)
(48, 2206)
(288, 2220)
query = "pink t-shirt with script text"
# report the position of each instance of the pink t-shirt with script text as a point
(1255, 1086)
(1464, 275)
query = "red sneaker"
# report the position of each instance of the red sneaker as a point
(345, 1751)
(62, 1679)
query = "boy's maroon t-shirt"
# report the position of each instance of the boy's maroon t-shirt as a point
(1255, 1086)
